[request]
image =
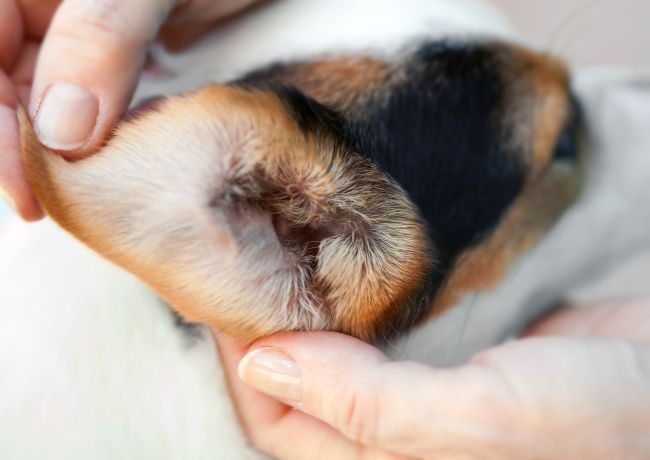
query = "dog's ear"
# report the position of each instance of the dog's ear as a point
(243, 209)
(255, 208)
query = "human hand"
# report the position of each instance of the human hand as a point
(586, 396)
(75, 64)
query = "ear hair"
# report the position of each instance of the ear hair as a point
(206, 199)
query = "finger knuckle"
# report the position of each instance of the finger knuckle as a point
(98, 20)
(356, 417)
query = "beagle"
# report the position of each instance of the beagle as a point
(368, 167)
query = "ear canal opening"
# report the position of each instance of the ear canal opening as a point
(306, 239)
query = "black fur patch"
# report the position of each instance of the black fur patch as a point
(440, 136)
(312, 117)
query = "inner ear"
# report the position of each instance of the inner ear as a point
(304, 238)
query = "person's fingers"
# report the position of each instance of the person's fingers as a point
(13, 179)
(280, 430)
(402, 407)
(626, 320)
(18, 18)
(11, 33)
(10, 36)
(88, 68)
(23, 71)
(503, 404)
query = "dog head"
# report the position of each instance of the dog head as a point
(350, 193)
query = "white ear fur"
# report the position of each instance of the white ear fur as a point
(145, 201)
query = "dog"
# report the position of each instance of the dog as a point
(384, 178)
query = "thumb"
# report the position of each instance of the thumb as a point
(401, 407)
(590, 396)
(88, 68)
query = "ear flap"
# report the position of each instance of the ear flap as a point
(243, 209)
(46, 171)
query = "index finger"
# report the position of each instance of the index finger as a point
(88, 67)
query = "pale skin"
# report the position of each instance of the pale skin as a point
(577, 385)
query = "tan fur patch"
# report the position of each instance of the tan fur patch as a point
(537, 102)
(341, 82)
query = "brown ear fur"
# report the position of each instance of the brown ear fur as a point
(38, 161)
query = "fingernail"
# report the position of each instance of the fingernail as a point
(273, 372)
(66, 117)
